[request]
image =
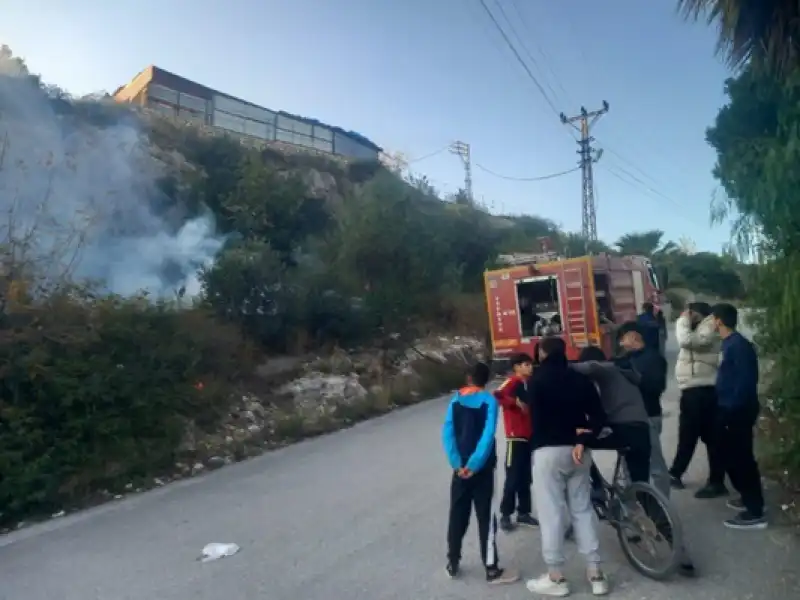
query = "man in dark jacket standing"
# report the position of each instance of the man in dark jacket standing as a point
(650, 327)
(652, 370)
(566, 414)
(737, 413)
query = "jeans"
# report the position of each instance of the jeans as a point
(735, 438)
(659, 472)
(697, 422)
(562, 491)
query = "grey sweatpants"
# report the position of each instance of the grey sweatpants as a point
(561, 491)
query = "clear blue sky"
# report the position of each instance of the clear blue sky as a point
(413, 75)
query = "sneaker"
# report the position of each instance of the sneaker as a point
(527, 520)
(746, 520)
(452, 569)
(711, 491)
(686, 569)
(599, 584)
(735, 504)
(675, 483)
(498, 576)
(545, 586)
(506, 524)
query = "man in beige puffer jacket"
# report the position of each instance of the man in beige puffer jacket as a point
(696, 372)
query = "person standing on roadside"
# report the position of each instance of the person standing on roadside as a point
(468, 437)
(650, 327)
(649, 369)
(696, 372)
(512, 396)
(566, 415)
(737, 415)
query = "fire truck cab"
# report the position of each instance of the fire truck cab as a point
(580, 299)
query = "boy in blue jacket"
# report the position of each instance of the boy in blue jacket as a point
(468, 437)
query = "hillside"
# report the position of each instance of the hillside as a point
(174, 299)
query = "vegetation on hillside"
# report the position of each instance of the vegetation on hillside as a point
(757, 141)
(98, 388)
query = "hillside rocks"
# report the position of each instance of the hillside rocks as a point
(324, 394)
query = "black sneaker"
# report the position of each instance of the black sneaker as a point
(687, 569)
(676, 483)
(498, 576)
(527, 520)
(747, 520)
(711, 491)
(452, 569)
(506, 524)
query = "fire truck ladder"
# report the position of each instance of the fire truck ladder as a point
(575, 322)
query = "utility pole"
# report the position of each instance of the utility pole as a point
(583, 123)
(462, 150)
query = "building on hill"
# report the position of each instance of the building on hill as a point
(177, 97)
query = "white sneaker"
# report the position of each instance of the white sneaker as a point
(599, 585)
(547, 587)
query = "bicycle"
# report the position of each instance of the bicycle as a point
(641, 515)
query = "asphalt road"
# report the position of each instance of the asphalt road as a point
(360, 515)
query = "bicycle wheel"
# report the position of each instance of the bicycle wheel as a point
(649, 521)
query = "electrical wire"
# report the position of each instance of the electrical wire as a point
(540, 178)
(519, 58)
(427, 156)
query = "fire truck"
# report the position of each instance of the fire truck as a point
(582, 299)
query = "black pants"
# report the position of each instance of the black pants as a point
(697, 422)
(635, 437)
(476, 491)
(734, 431)
(517, 486)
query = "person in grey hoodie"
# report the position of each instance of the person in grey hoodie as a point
(696, 372)
(628, 422)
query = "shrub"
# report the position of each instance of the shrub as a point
(96, 392)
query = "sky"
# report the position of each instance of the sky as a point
(415, 75)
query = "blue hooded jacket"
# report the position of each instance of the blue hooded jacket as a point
(468, 434)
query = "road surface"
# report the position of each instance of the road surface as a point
(360, 515)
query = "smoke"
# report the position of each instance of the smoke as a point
(79, 200)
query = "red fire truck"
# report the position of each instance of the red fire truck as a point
(581, 299)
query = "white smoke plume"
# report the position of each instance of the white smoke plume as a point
(79, 199)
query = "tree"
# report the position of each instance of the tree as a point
(645, 243)
(764, 32)
(757, 140)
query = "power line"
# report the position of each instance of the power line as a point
(540, 178)
(427, 156)
(545, 58)
(518, 57)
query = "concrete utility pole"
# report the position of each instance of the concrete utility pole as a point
(583, 123)
(462, 150)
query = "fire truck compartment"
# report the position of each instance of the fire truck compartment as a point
(539, 304)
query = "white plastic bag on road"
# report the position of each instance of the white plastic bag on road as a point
(215, 551)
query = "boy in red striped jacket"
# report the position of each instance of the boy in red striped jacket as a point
(512, 397)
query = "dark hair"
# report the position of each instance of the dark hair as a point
(648, 308)
(520, 359)
(591, 353)
(480, 374)
(726, 313)
(629, 327)
(553, 345)
(701, 308)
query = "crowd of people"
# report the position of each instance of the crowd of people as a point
(555, 412)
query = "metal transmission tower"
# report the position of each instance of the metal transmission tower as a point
(462, 150)
(584, 122)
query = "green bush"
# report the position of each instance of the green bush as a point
(95, 393)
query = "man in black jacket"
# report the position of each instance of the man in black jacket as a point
(566, 415)
(651, 368)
